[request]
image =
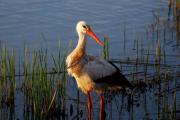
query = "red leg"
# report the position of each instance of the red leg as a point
(89, 106)
(101, 106)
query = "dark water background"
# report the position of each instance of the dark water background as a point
(43, 23)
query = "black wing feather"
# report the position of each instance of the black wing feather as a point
(116, 79)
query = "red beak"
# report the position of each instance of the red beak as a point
(93, 36)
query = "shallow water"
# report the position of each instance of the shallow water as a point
(43, 23)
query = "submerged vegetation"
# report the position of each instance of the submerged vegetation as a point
(39, 78)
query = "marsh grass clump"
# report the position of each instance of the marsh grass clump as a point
(7, 73)
(42, 84)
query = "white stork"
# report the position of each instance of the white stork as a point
(92, 73)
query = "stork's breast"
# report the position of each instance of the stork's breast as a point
(77, 69)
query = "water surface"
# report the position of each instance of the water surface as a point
(43, 23)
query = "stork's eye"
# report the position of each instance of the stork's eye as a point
(84, 26)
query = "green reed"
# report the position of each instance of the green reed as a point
(174, 102)
(38, 85)
(57, 65)
(157, 60)
(11, 61)
(3, 64)
(7, 74)
(62, 87)
(25, 62)
(146, 63)
(137, 51)
(105, 52)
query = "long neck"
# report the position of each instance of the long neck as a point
(78, 52)
(81, 46)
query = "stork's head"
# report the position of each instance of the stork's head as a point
(83, 28)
